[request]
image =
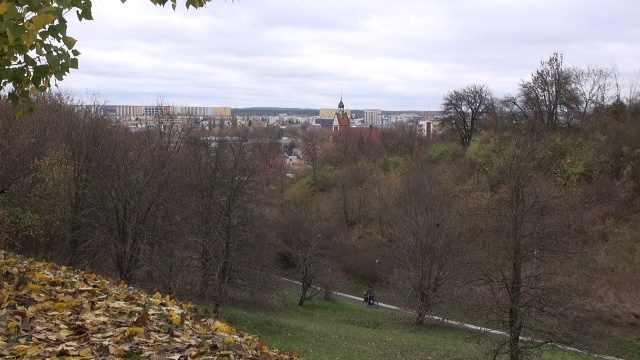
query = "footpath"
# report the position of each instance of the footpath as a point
(358, 299)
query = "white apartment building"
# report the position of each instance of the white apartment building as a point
(372, 117)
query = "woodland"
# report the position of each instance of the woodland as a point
(521, 213)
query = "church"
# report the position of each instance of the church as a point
(341, 119)
(353, 138)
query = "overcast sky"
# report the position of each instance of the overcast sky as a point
(386, 54)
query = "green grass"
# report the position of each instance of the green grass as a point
(336, 330)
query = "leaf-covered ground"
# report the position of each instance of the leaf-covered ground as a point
(50, 311)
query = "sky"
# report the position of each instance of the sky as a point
(376, 54)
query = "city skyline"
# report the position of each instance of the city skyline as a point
(300, 54)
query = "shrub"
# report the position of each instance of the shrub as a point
(445, 151)
(391, 163)
(482, 150)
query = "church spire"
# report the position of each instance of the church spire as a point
(341, 106)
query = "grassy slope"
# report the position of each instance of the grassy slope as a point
(334, 330)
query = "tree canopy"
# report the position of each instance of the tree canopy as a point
(35, 48)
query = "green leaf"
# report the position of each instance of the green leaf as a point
(69, 42)
(29, 60)
(86, 11)
(73, 63)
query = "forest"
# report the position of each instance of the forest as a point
(521, 213)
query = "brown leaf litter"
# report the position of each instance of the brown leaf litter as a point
(51, 311)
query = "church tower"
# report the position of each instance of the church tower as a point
(341, 119)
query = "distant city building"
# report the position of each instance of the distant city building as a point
(428, 128)
(329, 113)
(373, 117)
(221, 111)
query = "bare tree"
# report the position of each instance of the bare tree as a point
(464, 109)
(85, 140)
(593, 89)
(226, 181)
(424, 244)
(524, 263)
(304, 247)
(550, 96)
(402, 139)
(136, 176)
(314, 148)
(352, 192)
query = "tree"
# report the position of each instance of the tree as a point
(401, 139)
(550, 95)
(84, 139)
(525, 267)
(135, 178)
(593, 89)
(25, 144)
(314, 148)
(424, 243)
(34, 46)
(305, 244)
(226, 181)
(464, 109)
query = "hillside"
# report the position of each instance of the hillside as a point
(51, 311)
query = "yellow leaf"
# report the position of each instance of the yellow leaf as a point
(229, 339)
(40, 21)
(21, 347)
(175, 319)
(86, 352)
(60, 307)
(157, 296)
(32, 349)
(33, 286)
(117, 351)
(41, 275)
(13, 324)
(131, 330)
(220, 326)
(3, 7)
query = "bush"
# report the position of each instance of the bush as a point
(445, 151)
(482, 150)
(391, 163)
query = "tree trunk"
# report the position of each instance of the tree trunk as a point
(222, 277)
(306, 284)
(205, 268)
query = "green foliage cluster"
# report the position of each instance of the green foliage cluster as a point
(445, 151)
(34, 45)
(16, 222)
(326, 178)
(483, 150)
(391, 163)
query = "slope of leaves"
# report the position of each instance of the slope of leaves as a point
(50, 311)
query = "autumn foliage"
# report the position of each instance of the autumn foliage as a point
(49, 311)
